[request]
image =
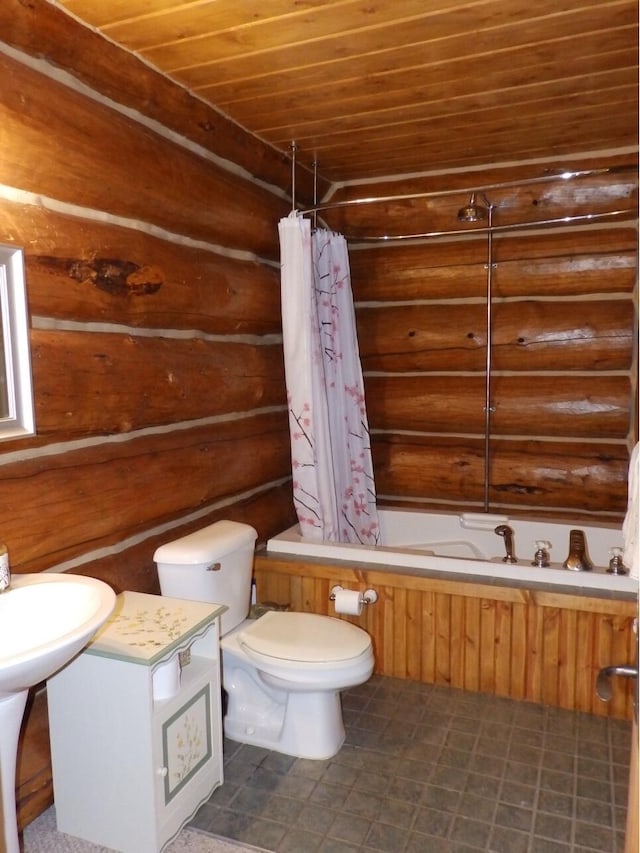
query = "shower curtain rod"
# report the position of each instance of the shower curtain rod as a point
(538, 223)
(566, 176)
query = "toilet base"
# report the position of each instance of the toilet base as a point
(307, 725)
(285, 706)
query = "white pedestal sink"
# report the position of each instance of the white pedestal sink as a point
(45, 620)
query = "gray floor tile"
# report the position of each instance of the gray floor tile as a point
(385, 837)
(466, 830)
(514, 817)
(315, 818)
(406, 789)
(515, 794)
(348, 827)
(505, 840)
(429, 769)
(299, 841)
(364, 805)
(445, 799)
(552, 826)
(554, 802)
(334, 845)
(549, 845)
(433, 822)
(593, 837)
(397, 813)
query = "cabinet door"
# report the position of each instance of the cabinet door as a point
(188, 748)
(187, 742)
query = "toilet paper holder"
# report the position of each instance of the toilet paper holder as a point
(369, 596)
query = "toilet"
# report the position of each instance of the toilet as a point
(283, 672)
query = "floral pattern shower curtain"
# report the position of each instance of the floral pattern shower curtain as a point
(333, 485)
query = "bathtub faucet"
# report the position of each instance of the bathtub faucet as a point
(507, 533)
(578, 559)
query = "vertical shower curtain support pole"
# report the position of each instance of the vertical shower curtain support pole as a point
(293, 148)
(487, 401)
(315, 193)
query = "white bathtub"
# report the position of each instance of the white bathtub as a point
(467, 544)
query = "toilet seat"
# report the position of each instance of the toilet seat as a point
(306, 638)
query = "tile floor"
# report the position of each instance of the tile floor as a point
(433, 769)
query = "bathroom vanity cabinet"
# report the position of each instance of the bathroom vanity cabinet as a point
(135, 722)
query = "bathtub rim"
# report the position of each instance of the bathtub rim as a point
(597, 583)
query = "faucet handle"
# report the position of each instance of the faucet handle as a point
(616, 566)
(541, 557)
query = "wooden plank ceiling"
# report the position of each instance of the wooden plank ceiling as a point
(391, 87)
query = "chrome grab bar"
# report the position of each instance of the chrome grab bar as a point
(603, 681)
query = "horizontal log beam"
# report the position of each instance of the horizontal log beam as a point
(87, 383)
(110, 491)
(553, 264)
(524, 405)
(195, 198)
(566, 475)
(522, 203)
(527, 336)
(269, 512)
(137, 279)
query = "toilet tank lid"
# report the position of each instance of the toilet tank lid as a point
(210, 543)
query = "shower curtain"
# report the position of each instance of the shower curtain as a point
(333, 486)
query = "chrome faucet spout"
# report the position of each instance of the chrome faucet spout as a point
(507, 533)
(578, 560)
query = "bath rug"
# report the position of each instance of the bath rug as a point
(41, 836)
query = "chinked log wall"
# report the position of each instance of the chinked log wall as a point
(153, 289)
(563, 330)
(533, 645)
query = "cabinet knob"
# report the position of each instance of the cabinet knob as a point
(162, 771)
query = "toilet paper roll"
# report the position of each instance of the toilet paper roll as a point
(349, 602)
(166, 679)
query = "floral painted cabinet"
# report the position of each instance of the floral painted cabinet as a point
(135, 723)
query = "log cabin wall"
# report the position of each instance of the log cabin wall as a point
(153, 290)
(148, 224)
(563, 331)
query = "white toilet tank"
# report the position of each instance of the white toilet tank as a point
(212, 565)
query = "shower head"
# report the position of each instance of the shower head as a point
(472, 212)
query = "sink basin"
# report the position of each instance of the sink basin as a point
(45, 619)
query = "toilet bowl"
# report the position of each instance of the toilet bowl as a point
(283, 672)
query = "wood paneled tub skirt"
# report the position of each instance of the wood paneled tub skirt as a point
(450, 611)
